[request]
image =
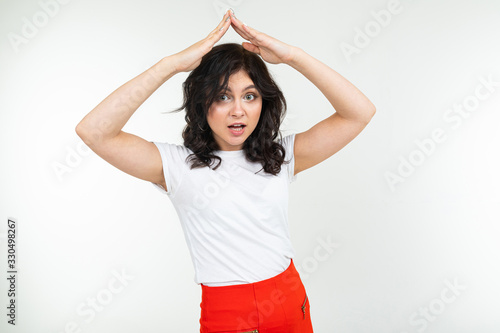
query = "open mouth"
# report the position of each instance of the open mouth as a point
(237, 128)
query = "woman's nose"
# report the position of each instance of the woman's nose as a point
(237, 109)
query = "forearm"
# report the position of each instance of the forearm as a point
(107, 119)
(345, 98)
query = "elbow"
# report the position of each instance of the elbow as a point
(371, 110)
(83, 133)
(80, 130)
(369, 113)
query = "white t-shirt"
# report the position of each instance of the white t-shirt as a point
(235, 221)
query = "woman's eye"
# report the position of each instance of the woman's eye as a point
(250, 97)
(223, 97)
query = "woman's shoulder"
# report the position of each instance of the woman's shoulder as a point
(287, 141)
(286, 138)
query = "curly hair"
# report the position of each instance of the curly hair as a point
(205, 83)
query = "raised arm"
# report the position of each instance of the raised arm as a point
(353, 109)
(353, 112)
(101, 129)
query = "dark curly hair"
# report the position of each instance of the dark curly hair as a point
(205, 83)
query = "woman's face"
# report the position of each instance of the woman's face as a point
(235, 113)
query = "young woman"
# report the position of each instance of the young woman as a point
(229, 181)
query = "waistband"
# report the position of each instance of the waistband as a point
(286, 279)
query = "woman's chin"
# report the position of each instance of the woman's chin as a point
(232, 143)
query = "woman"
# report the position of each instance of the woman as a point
(229, 181)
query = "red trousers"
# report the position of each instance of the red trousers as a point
(279, 304)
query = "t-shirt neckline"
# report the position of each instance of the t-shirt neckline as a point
(230, 152)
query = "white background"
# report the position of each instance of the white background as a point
(398, 246)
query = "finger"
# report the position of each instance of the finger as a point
(238, 27)
(252, 35)
(221, 27)
(250, 31)
(226, 21)
(225, 18)
(255, 36)
(250, 47)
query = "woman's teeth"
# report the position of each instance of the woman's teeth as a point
(237, 127)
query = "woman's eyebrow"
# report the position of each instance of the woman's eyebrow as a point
(249, 87)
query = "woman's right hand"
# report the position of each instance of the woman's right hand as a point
(190, 58)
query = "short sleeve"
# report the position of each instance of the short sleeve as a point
(173, 159)
(288, 143)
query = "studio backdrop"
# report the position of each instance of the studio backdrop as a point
(397, 232)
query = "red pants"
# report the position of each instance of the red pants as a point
(278, 304)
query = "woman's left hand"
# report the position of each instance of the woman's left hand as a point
(270, 49)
